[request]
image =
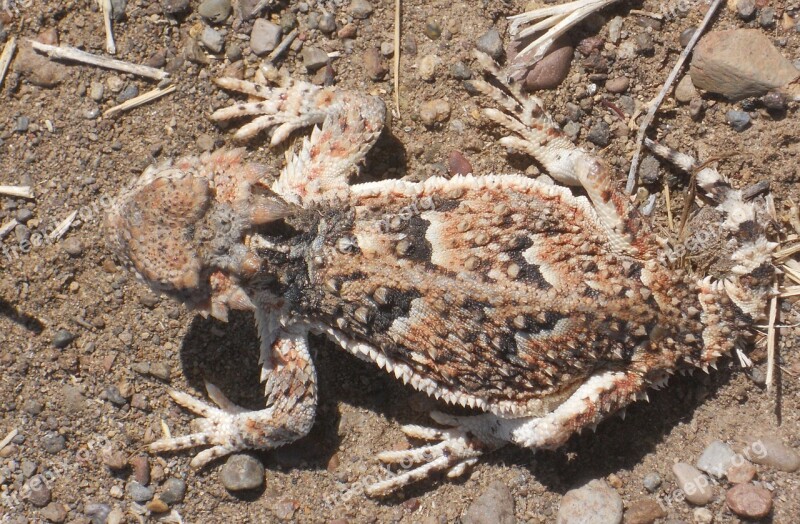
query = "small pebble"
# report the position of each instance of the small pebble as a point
(38, 491)
(745, 8)
(98, 512)
(387, 49)
(434, 111)
(327, 23)
(738, 120)
(770, 451)
(348, 31)
(141, 469)
(160, 370)
(62, 338)
(314, 58)
(22, 124)
(157, 506)
(697, 107)
(686, 36)
(596, 501)
(173, 491)
(374, 64)
(265, 37)
(432, 29)
(216, 11)
(205, 142)
(114, 459)
(460, 71)
(23, 215)
(491, 43)
(685, 90)
(493, 506)
(96, 91)
(774, 101)
(113, 395)
(175, 7)
(428, 66)
(766, 18)
(212, 40)
(242, 472)
(749, 501)
(644, 511)
(651, 481)
(644, 43)
(457, 164)
(599, 134)
(138, 493)
(741, 471)
(552, 69)
(360, 9)
(73, 247)
(285, 509)
(716, 459)
(54, 512)
(695, 486)
(703, 516)
(619, 84)
(615, 29)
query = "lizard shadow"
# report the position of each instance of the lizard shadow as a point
(29, 322)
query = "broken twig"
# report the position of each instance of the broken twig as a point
(139, 100)
(105, 7)
(63, 227)
(71, 53)
(17, 191)
(5, 58)
(656, 103)
(8, 438)
(283, 46)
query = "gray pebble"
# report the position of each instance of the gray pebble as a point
(302, 7)
(313, 20)
(96, 91)
(327, 23)
(627, 104)
(53, 443)
(22, 233)
(649, 170)
(114, 396)
(264, 37)
(572, 130)
(770, 451)
(22, 124)
(738, 120)
(54, 512)
(644, 43)
(205, 142)
(62, 338)
(619, 84)
(234, 52)
(774, 101)
(212, 40)
(460, 71)
(615, 29)
(173, 491)
(23, 215)
(314, 58)
(695, 486)
(491, 43)
(432, 29)
(288, 21)
(493, 506)
(160, 370)
(374, 64)
(216, 11)
(38, 492)
(685, 90)
(745, 8)
(716, 459)
(387, 49)
(98, 512)
(138, 492)
(28, 468)
(360, 9)
(73, 247)
(130, 91)
(686, 35)
(596, 501)
(175, 7)
(766, 18)
(697, 107)
(118, 9)
(599, 134)
(92, 113)
(32, 406)
(242, 472)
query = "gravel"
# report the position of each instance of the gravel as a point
(596, 501)
(716, 459)
(242, 472)
(493, 506)
(173, 491)
(749, 501)
(215, 11)
(695, 486)
(265, 37)
(491, 43)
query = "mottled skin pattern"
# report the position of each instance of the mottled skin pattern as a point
(543, 310)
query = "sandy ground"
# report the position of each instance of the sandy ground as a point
(77, 161)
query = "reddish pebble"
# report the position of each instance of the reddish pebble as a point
(141, 469)
(741, 473)
(457, 164)
(749, 501)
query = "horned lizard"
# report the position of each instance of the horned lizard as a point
(543, 308)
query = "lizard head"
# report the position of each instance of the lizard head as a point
(181, 227)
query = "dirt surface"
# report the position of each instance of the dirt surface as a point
(97, 392)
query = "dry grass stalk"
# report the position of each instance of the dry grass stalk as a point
(656, 102)
(139, 100)
(8, 438)
(71, 53)
(5, 58)
(63, 227)
(105, 6)
(17, 191)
